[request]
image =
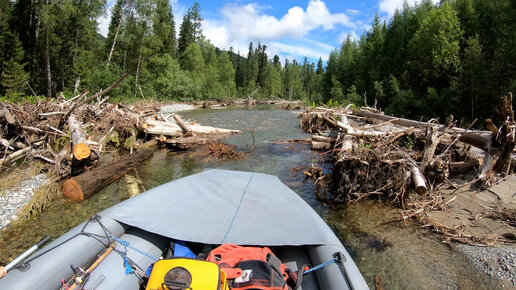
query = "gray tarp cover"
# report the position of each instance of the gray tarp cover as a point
(222, 206)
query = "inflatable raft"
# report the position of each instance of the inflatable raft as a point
(214, 207)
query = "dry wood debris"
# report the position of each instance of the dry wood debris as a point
(375, 155)
(69, 135)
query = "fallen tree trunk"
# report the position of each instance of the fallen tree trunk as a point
(323, 146)
(344, 124)
(85, 185)
(479, 139)
(419, 181)
(7, 117)
(320, 138)
(186, 130)
(80, 149)
(184, 143)
(82, 156)
(156, 127)
(463, 166)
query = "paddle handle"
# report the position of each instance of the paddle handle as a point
(94, 265)
(26, 254)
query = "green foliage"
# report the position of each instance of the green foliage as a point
(61, 142)
(352, 96)
(336, 92)
(428, 60)
(114, 139)
(129, 142)
(14, 77)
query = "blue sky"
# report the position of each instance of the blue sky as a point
(290, 29)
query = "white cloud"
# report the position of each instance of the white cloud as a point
(301, 47)
(241, 24)
(344, 35)
(353, 12)
(389, 6)
(104, 20)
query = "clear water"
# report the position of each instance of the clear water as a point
(402, 257)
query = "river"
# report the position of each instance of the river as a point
(402, 257)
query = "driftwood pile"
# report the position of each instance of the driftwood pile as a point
(69, 135)
(375, 155)
(393, 155)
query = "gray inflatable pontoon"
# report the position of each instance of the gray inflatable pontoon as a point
(213, 207)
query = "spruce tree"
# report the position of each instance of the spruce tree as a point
(14, 76)
(190, 30)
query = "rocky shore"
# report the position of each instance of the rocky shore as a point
(497, 262)
(15, 198)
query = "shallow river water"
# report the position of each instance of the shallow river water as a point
(401, 257)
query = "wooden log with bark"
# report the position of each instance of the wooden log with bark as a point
(184, 143)
(85, 185)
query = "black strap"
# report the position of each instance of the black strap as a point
(300, 276)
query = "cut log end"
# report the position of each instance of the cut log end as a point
(81, 151)
(419, 181)
(72, 190)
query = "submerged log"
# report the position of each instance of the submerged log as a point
(85, 185)
(184, 143)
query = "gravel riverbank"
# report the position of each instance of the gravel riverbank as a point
(14, 199)
(498, 262)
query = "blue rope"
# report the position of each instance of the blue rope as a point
(126, 245)
(238, 208)
(334, 260)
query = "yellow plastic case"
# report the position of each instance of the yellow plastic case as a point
(204, 275)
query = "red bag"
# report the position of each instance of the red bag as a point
(250, 267)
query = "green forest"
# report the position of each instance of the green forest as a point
(428, 60)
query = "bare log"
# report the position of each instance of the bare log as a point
(6, 143)
(80, 149)
(85, 185)
(344, 124)
(156, 127)
(7, 117)
(44, 115)
(419, 181)
(497, 158)
(320, 138)
(99, 94)
(186, 130)
(302, 140)
(432, 140)
(323, 146)
(463, 166)
(184, 143)
(479, 139)
(18, 154)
